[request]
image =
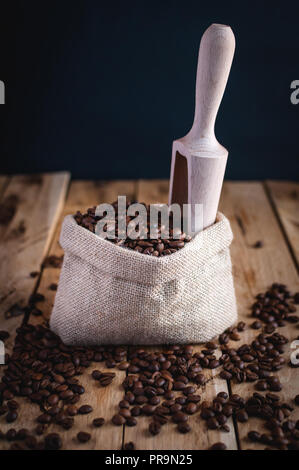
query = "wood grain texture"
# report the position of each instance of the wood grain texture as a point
(255, 269)
(200, 437)
(84, 194)
(285, 198)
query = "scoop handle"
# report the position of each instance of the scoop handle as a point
(215, 57)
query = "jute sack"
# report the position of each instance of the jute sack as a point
(111, 295)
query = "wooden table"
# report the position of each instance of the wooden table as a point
(266, 212)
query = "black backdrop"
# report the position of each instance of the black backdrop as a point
(102, 90)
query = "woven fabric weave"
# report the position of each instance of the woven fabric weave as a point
(111, 295)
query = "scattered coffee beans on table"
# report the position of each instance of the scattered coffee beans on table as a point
(163, 385)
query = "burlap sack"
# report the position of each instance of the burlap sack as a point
(111, 295)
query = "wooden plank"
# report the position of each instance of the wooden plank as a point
(104, 400)
(169, 439)
(255, 269)
(285, 199)
(35, 204)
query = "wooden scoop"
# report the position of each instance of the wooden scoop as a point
(198, 160)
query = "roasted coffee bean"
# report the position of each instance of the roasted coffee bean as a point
(53, 441)
(11, 416)
(218, 446)
(129, 446)
(40, 429)
(31, 443)
(125, 412)
(13, 405)
(11, 435)
(296, 399)
(83, 436)
(242, 416)
(191, 408)
(44, 419)
(148, 410)
(256, 325)
(254, 436)
(22, 434)
(179, 417)
(184, 428)
(98, 422)
(85, 409)
(118, 420)
(154, 428)
(71, 410)
(212, 423)
(131, 421)
(96, 374)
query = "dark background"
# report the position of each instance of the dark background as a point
(102, 90)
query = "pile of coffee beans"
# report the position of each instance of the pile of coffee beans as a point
(165, 386)
(153, 247)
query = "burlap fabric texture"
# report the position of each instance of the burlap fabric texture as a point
(111, 295)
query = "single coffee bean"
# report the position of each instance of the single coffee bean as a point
(218, 446)
(11, 435)
(179, 417)
(118, 420)
(131, 421)
(191, 408)
(98, 422)
(242, 416)
(83, 436)
(129, 446)
(11, 416)
(184, 428)
(154, 428)
(71, 410)
(85, 409)
(254, 436)
(212, 423)
(53, 441)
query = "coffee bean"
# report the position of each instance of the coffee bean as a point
(71, 410)
(85, 409)
(83, 436)
(184, 428)
(179, 417)
(254, 436)
(191, 408)
(129, 446)
(154, 428)
(96, 374)
(11, 416)
(218, 446)
(98, 422)
(4, 335)
(53, 441)
(212, 423)
(11, 434)
(118, 420)
(40, 429)
(242, 416)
